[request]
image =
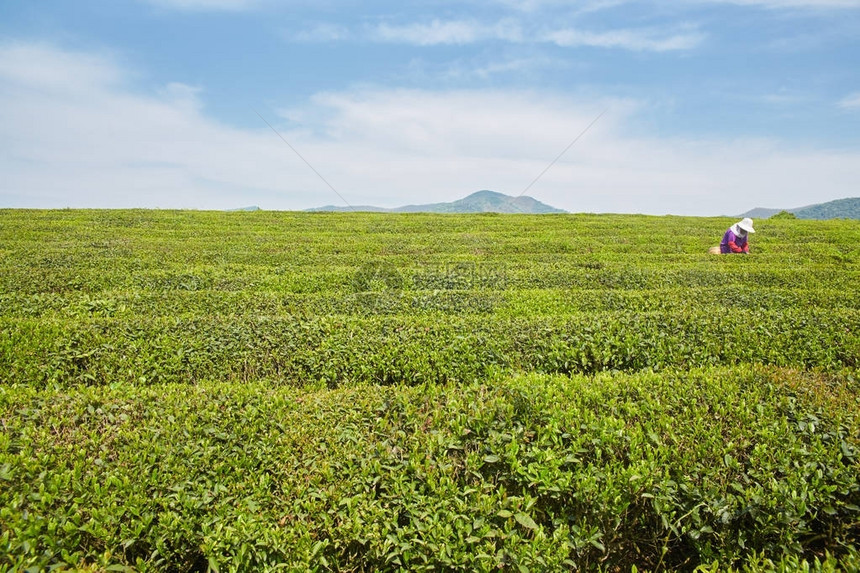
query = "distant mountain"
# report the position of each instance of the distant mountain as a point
(251, 208)
(478, 202)
(838, 209)
(760, 213)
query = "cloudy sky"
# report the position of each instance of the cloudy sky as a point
(708, 107)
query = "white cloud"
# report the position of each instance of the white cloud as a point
(467, 32)
(446, 32)
(75, 136)
(637, 40)
(789, 3)
(597, 5)
(514, 65)
(436, 32)
(850, 102)
(68, 71)
(90, 142)
(325, 32)
(581, 6)
(487, 66)
(206, 5)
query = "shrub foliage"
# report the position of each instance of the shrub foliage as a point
(191, 391)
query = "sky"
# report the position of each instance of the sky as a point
(686, 107)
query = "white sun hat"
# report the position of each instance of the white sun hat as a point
(747, 225)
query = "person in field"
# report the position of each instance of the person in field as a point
(736, 239)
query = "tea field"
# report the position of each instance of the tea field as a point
(193, 391)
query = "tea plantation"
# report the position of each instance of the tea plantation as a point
(192, 391)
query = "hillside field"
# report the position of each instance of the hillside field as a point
(246, 391)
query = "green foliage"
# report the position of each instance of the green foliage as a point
(841, 208)
(336, 351)
(784, 215)
(187, 391)
(653, 470)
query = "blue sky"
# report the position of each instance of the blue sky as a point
(711, 106)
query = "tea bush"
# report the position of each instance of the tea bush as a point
(655, 470)
(191, 391)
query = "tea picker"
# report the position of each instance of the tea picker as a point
(736, 239)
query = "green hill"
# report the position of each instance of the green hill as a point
(760, 213)
(839, 209)
(479, 202)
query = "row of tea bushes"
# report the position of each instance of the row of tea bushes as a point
(391, 350)
(720, 467)
(85, 273)
(524, 302)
